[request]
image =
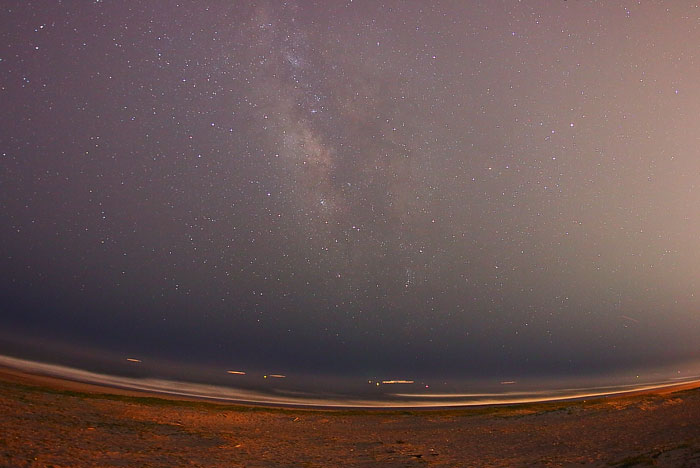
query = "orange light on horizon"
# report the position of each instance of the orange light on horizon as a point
(508, 382)
(236, 372)
(278, 376)
(133, 360)
(389, 382)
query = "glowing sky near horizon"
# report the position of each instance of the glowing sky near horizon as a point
(395, 189)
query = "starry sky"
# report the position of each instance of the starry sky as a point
(455, 189)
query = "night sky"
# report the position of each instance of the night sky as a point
(451, 189)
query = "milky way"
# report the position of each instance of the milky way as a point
(452, 189)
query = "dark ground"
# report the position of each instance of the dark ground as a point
(52, 423)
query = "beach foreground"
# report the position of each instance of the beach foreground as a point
(49, 422)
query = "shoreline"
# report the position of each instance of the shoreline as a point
(56, 382)
(50, 422)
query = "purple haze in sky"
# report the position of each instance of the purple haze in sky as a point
(420, 190)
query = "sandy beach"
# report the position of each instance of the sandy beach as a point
(49, 422)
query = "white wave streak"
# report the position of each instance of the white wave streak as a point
(243, 396)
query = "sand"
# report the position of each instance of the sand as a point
(48, 422)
